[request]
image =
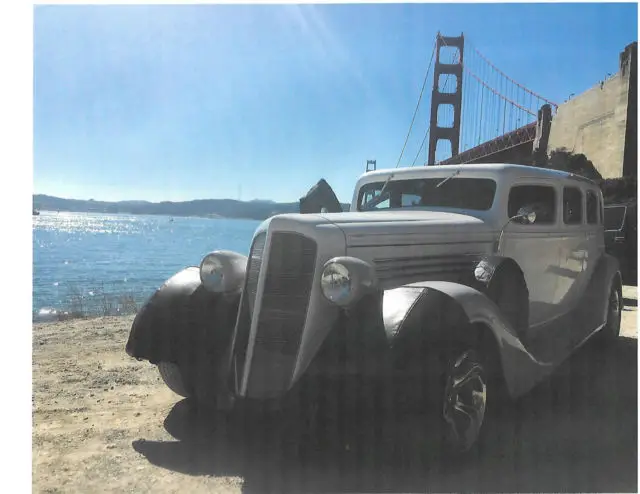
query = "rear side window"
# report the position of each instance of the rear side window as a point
(572, 206)
(592, 208)
(614, 217)
(541, 198)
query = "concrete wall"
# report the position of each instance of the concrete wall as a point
(630, 164)
(595, 122)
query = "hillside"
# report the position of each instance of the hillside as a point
(226, 208)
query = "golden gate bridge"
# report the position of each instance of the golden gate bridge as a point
(478, 113)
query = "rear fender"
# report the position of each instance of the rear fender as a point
(605, 276)
(182, 321)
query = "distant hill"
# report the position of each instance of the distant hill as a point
(226, 208)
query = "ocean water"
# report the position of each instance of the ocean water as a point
(107, 263)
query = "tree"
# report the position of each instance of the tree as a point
(564, 160)
(622, 189)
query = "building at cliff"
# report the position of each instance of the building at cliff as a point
(601, 123)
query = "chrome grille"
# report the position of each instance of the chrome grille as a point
(245, 316)
(282, 313)
(253, 269)
(287, 291)
(426, 267)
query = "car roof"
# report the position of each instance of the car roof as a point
(503, 169)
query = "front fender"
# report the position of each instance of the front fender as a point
(181, 320)
(487, 270)
(404, 323)
(445, 310)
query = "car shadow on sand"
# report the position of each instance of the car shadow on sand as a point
(575, 432)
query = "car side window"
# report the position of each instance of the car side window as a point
(572, 206)
(539, 198)
(592, 208)
(369, 195)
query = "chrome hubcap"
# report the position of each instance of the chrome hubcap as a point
(614, 309)
(465, 402)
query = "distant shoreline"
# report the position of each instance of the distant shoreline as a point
(258, 210)
(211, 216)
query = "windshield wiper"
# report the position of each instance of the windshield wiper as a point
(379, 198)
(457, 172)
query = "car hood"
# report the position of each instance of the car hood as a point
(390, 226)
(386, 228)
(432, 217)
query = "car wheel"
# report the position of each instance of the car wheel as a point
(174, 378)
(611, 329)
(463, 401)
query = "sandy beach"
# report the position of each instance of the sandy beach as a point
(103, 422)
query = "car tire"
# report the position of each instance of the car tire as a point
(611, 330)
(175, 379)
(461, 401)
(495, 425)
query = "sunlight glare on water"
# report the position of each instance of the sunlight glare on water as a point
(85, 255)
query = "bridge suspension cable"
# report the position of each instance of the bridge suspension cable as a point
(511, 80)
(424, 83)
(497, 93)
(494, 104)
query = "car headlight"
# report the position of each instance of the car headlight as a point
(212, 273)
(223, 271)
(345, 280)
(336, 282)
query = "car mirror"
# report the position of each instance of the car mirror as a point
(526, 216)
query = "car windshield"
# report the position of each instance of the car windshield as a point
(613, 217)
(457, 193)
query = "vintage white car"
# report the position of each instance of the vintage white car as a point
(470, 282)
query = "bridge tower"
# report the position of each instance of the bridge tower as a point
(437, 133)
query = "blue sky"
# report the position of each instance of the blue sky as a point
(221, 101)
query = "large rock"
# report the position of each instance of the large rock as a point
(320, 196)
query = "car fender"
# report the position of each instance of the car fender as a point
(441, 310)
(181, 320)
(606, 273)
(493, 271)
(488, 268)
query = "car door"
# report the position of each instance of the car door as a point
(573, 248)
(595, 233)
(534, 246)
